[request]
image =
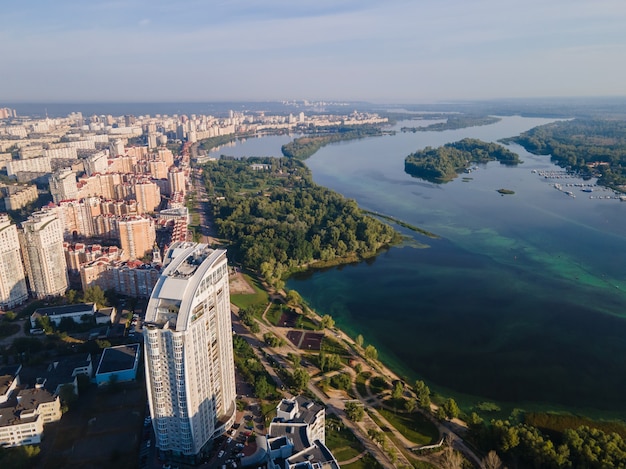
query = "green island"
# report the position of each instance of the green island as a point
(303, 147)
(453, 122)
(278, 221)
(443, 164)
(591, 147)
(505, 191)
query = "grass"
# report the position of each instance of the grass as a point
(341, 441)
(268, 409)
(415, 427)
(330, 345)
(366, 462)
(360, 383)
(274, 314)
(245, 300)
(379, 384)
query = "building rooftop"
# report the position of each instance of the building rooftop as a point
(65, 309)
(118, 358)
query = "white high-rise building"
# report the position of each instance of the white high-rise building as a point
(190, 372)
(13, 289)
(42, 247)
(63, 185)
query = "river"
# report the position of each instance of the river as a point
(521, 300)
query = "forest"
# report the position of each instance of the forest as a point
(303, 147)
(591, 147)
(523, 445)
(443, 164)
(279, 221)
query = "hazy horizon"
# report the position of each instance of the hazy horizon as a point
(399, 51)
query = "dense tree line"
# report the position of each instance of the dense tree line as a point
(303, 147)
(524, 445)
(281, 221)
(442, 164)
(593, 147)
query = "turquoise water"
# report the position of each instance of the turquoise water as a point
(520, 301)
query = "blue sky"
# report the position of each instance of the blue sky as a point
(380, 51)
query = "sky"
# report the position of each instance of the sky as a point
(391, 51)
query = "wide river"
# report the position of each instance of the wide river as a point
(521, 301)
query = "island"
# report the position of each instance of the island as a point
(454, 121)
(591, 147)
(444, 163)
(303, 147)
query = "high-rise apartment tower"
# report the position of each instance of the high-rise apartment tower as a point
(13, 289)
(190, 371)
(44, 258)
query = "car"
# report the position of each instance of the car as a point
(220, 454)
(229, 440)
(239, 445)
(148, 443)
(240, 455)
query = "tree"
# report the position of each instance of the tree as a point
(71, 296)
(398, 390)
(327, 322)
(451, 459)
(492, 461)
(359, 340)
(94, 294)
(300, 378)
(410, 405)
(67, 396)
(341, 381)
(293, 298)
(261, 387)
(451, 408)
(354, 411)
(371, 353)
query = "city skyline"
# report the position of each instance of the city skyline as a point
(397, 51)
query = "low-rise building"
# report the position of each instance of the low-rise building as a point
(118, 363)
(296, 438)
(23, 416)
(57, 313)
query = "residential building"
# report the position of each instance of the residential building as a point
(296, 438)
(189, 353)
(23, 417)
(137, 236)
(13, 290)
(42, 247)
(63, 185)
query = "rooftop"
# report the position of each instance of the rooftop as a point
(118, 358)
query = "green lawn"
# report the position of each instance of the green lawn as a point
(366, 462)
(341, 441)
(415, 427)
(246, 300)
(274, 314)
